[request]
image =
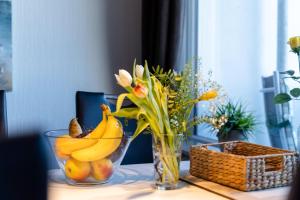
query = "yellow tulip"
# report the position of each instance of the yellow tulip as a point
(294, 42)
(211, 94)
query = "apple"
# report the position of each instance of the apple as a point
(77, 170)
(102, 169)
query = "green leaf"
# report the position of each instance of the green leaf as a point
(153, 69)
(120, 100)
(156, 70)
(131, 113)
(282, 98)
(137, 101)
(161, 70)
(146, 75)
(295, 92)
(133, 74)
(289, 72)
(141, 125)
(295, 77)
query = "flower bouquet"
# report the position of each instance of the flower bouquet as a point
(164, 103)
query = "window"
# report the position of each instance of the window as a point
(244, 41)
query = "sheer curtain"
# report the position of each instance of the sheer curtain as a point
(284, 137)
(243, 42)
(237, 40)
(189, 47)
(287, 26)
(293, 29)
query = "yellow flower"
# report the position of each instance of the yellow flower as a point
(211, 94)
(294, 42)
(140, 91)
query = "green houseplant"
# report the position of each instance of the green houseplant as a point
(232, 122)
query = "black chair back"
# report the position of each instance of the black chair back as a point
(88, 109)
(89, 115)
(23, 168)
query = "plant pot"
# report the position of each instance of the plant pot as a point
(233, 136)
(167, 156)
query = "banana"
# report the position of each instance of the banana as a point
(66, 145)
(98, 132)
(105, 146)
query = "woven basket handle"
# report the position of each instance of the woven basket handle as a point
(270, 167)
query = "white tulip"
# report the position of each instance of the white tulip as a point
(139, 71)
(124, 78)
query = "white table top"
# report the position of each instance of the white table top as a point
(130, 182)
(136, 182)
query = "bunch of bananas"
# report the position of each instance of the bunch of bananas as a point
(86, 153)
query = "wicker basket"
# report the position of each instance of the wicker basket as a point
(244, 166)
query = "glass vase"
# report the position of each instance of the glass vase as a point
(167, 156)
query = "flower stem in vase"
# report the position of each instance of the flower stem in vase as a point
(167, 155)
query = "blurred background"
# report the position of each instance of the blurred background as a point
(60, 47)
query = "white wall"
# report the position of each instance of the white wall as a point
(63, 46)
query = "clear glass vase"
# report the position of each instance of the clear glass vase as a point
(167, 156)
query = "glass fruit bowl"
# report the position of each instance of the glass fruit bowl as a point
(87, 161)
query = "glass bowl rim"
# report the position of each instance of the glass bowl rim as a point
(47, 134)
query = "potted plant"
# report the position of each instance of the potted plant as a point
(232, 122)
